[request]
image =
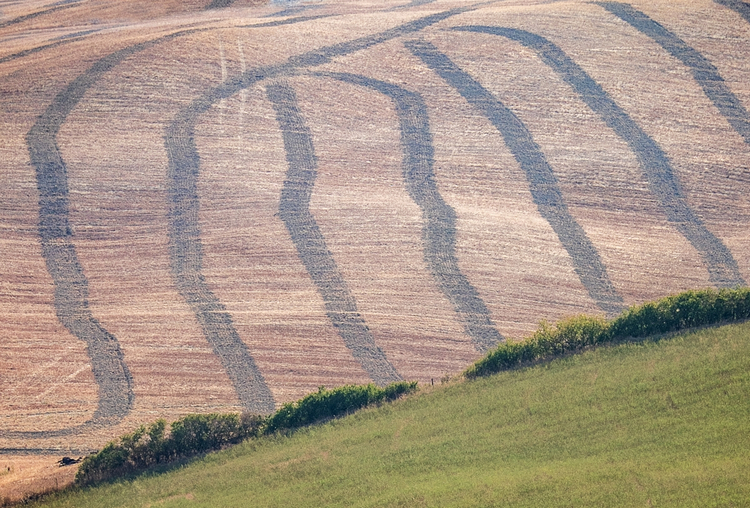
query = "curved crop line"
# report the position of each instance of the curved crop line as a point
(413, 3)
(439, 229)
(47, 451)
(704, 72)
(50, 168)
(545, 190)
(721, 265)
(219, 4)
(26, 17)
(741, 8)
(184, 168)
(31, 51)
(71, 286)
(294, 211)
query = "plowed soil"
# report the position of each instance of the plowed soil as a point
(220, 206)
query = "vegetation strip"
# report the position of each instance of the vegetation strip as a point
(26, 17)
(294, 211)
(543, 185)
(184, 161)
(704, 72)
(741, 8)
(439, 229)
(671, 314)
(722, 267)
(195, 434)
(662, 422)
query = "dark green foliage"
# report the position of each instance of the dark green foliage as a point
(326, 404)
(568, 335)
(670, 314)
(195, 434)
(685, 310)
(148, 446)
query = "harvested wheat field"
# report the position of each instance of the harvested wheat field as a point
(220, 206)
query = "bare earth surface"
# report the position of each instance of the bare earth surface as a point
(220, 206)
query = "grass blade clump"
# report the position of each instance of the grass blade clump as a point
(673, 313)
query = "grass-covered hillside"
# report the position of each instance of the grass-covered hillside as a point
(650, 423)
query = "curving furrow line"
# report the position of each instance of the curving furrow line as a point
(219, 4)
(741, 8)
(439, 230)
(543, 184)
(31, 51)
(663, 183)
(704, 72)
(184, 161)
(26, 17)
(413, 3)
(294, 211)
(71, 286)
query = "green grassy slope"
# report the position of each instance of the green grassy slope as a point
(660, 423)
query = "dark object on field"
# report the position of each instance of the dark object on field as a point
(68, 461)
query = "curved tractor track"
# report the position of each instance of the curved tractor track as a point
(420, 178)
(704, 72)
(294, 210)
(721, 265)
(36, 14)
(439, 231)
(542, 181)
(71, 286)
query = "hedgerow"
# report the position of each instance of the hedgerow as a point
(326, 404)
(673, 313)
(193, 434)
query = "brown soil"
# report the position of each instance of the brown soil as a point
(244, 266)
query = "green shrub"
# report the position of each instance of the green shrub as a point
(685, 310)
(670, 314)
(548, 341)
(195, 434)
(148, 446)
(325, 404)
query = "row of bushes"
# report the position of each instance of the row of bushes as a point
(195, 434)
(673, 313)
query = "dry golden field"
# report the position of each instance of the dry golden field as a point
(220, 206)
